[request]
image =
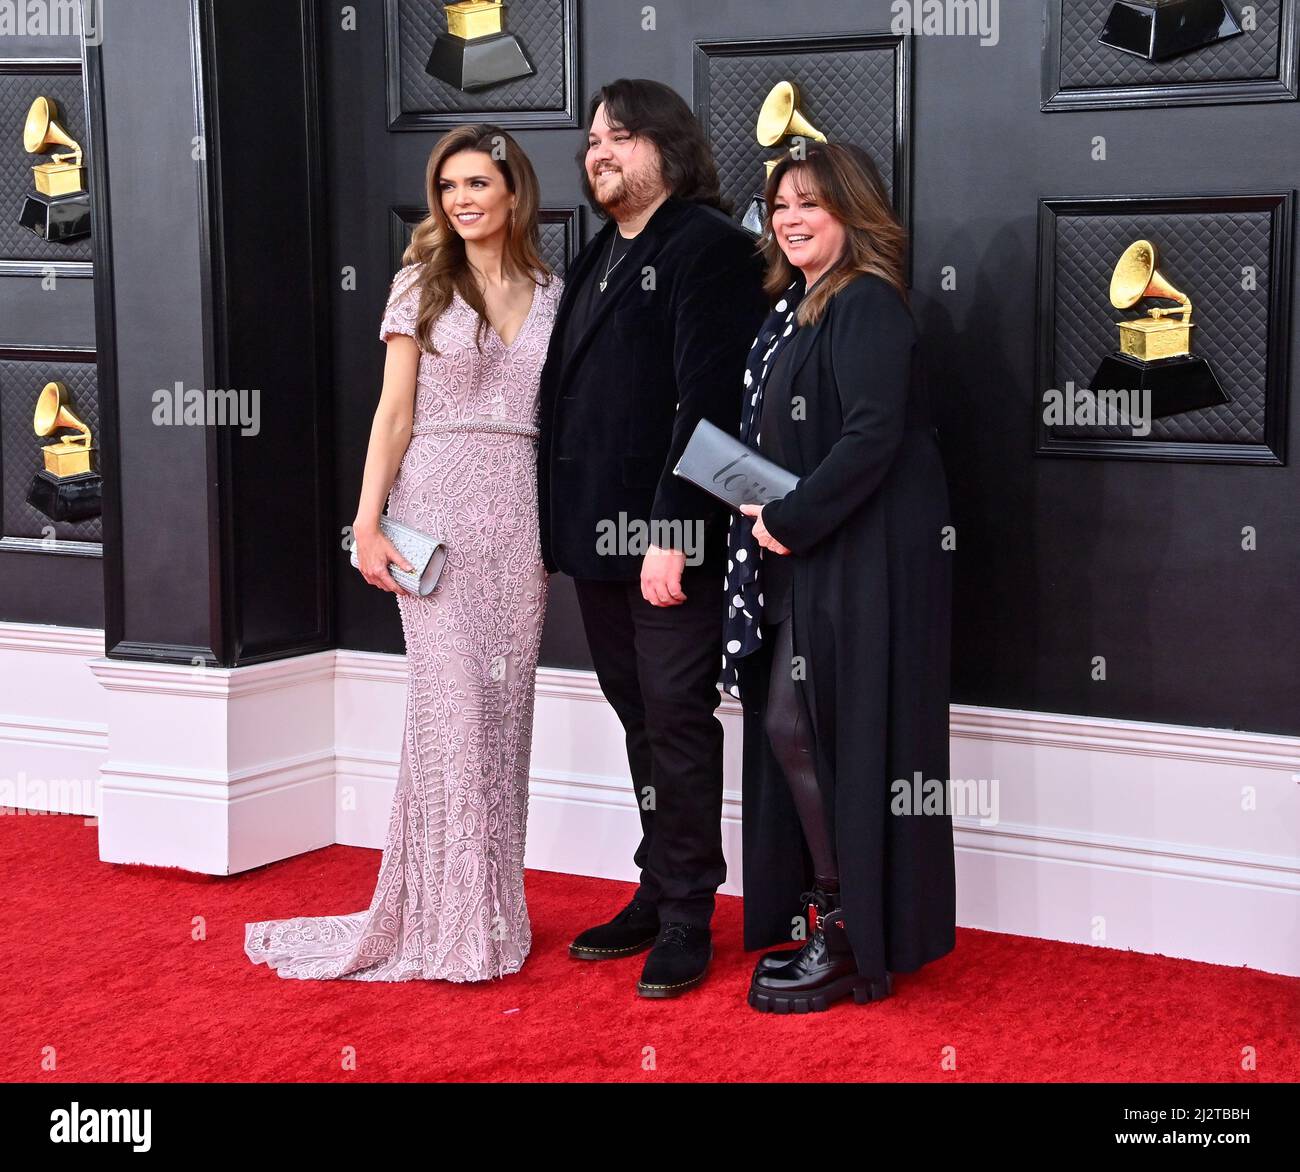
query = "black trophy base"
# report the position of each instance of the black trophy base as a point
(1185, 383)
(60, 219)
(1160, 29)
(69, 498)
(480, 63)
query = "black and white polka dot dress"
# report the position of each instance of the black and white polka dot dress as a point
(742, 632)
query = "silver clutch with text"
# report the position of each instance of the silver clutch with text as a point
(720, 464)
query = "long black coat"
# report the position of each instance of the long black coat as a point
(614, 418)
(871, 607)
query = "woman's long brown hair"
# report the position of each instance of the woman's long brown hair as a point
(441, 249)
(843, 179)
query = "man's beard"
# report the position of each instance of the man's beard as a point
(629, 195)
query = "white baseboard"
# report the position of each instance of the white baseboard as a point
(1156, 838)
(53, 719)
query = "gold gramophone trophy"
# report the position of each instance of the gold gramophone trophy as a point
(68, 488)
(476, 52)
(1155, 351)
(60, 210)
(779, 118)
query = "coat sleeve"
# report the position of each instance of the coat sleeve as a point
(713, 326)
(872, 335)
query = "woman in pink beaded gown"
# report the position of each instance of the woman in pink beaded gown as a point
(452, 449)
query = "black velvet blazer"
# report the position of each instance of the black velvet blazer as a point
(615, 417)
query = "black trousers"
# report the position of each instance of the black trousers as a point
(658, 667)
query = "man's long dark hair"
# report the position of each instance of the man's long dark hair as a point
(660, 113)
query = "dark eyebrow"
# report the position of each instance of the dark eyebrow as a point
(444, 179)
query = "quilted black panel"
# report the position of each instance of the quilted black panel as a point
(1201, 253)
(20, 447)
(849, 95)
(1085, 62)
(17, 92)
(539, 25)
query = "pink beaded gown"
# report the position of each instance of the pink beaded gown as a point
(449, 901)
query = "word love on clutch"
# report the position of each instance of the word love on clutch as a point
(723, 466)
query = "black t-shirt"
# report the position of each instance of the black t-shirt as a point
(588, 297)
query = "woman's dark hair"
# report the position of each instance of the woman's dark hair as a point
(647, 107)
(843, 179)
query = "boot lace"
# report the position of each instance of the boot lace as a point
(674, 935)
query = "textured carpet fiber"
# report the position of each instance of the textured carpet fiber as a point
(127, 973)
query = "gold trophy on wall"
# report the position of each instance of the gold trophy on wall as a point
(476, 52)
(779, 118)
(69, 487)
(59, 212)
(1155, 351)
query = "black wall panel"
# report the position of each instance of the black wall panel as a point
(49, 572)
(1059, 560)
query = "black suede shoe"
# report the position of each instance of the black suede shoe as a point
(633, 930)
(678, 961)
(823, 972)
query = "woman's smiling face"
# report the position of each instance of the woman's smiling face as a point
(810, 236)
(475, 197)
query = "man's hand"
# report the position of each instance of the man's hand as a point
(661, 576)
(761, 535)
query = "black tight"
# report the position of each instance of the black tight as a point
(789, 729)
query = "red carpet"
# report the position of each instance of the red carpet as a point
(101, 968)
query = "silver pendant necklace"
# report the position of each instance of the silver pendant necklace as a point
(608, 268)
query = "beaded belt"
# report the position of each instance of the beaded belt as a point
(504, 426)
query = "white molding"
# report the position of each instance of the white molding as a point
(1137, 824)
(1106, 735)
(1117, 852)
(49, 640)
(51, 733)
(173, 679)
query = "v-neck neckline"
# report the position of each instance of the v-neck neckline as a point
(528, 317)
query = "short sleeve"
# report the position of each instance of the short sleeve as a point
(403, 305)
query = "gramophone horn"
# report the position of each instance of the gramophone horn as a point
(53, 412)
(1137, 276)
(780, 117)
(43, 130)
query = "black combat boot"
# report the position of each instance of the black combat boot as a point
(819, 898)
(822, 972)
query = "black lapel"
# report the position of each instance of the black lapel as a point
(802, 344)
(647, 245)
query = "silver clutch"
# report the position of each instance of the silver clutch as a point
(426, 555)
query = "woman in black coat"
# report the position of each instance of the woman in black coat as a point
(840, 606)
